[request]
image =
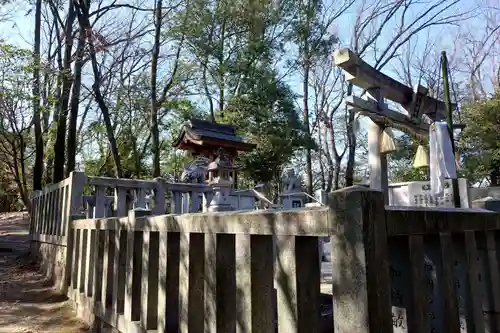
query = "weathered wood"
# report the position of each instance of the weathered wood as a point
(129, 273)
(416, 220)
(418, 316)
(448, 287)
(494, 276)
(473, 281)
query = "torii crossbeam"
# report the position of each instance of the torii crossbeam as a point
(420, 110)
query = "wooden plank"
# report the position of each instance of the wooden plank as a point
(89, 263)
(105, 268)
(129, 276)
(116, 270)
(473, 282)
(98, 265)
(494, 276)
(448, 287)
(418, 316)
(76, 258)
(162, 281)
(82, 260)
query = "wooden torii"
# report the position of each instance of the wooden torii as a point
(419, 109)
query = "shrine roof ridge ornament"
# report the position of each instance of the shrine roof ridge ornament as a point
(200, 132)
(363, 75)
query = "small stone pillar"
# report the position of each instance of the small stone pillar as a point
(292, 195)
(220, 178)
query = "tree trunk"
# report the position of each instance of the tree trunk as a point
(83, 18)
(59, 145)
(38, 167)
(155, 135)
(351, 141)
(305, 100)
(75, 103)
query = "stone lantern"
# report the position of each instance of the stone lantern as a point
(220, 178)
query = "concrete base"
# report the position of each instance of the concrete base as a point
(52, 259)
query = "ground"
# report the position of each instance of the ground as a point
(28, 303)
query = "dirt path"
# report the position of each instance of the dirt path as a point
(28, 304)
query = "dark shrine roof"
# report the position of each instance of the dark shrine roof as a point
(206, 133)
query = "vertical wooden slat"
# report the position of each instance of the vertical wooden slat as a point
(149, 280)
(116, 268)
(144, 278)
(162, 281)
(82, 260)
(494, 276)
(226, 282)
(418, 316)
(90, 266)
(192, 265)
(244, 283)
(285, 267)
(53, 224)
(45, 212)
(76, 258)
(105, 269)
(62, 214)
(48, 220)
(60, 210)
(308, 284)
(129, 276)
(210, 283)
(449, 290)
(99, 264)
(472, 277)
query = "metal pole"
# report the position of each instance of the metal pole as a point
(449, 116)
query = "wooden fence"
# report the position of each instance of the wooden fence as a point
(394, 269)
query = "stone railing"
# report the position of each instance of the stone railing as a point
(402, 269)
(212, 270)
